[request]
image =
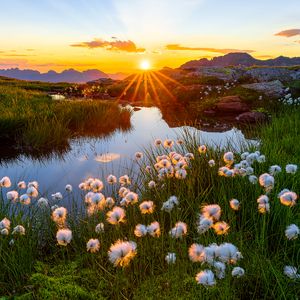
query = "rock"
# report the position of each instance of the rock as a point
(273, 88)
(209, 112)
(269, 74)
(231, 104)
(251, 117)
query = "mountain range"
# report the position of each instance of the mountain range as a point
(240, 59)
(69, 75)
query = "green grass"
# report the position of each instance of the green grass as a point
(36, 268)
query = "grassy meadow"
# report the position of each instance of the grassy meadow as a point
(37, 266)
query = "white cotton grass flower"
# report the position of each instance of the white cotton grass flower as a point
(109, 202)
(11, 242)
(244, 155)
(170, 204)
(228, 158)
(170, 258)
(263, 204)
(211, 163)
(221, 227)
(64, 236)
(157, 142)
(253, 179)
(288, 198)
(147, 207)
(180, 174)
(99, 228)
(138, 155)
(220, 269)
(291, 168)
(122, 252)
(19, 229)
(130, 198)
(151, 184)
(202, 149)
(291, 272)
(22, 185)
(179, 230)
(148, 169)
(93, 245)
(292, 231)
(206, 278)
(82, 186)
(124, 180)
(168, 143)
(5, 182)
(251, 158)
(234, 204)
(111, 179)
(116, 216)
(5, 224)
(212, 211)
(12, 196)
(249, 171)
(97, 185)
(4, 231)
(196, 252)
(261, 159)
(57, 196)
(43, 202)
(204, 224)
(59, 215)
(32, 191)
(237, 272)
(25, 199)
(266, 181)
(179, 142)
(282, 192)
(123, 191)
(275, 169)
(140, 230)
(69, 188)
(228, 253)
(189, 155)
(34, 184)
(154, 229)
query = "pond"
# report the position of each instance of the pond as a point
(99, 157)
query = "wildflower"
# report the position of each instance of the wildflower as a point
(211, 211)
(206, 278)
(244, 155)
(179, 230)
(140, 230)
(229, 253)
(12, 196)
(42, 202)
(116, 215)
(154, 229)
(122, 252)
(261, 159)
(69, 188)
(64, 237)
(97, 185)
(11, 242)
(169, 204)
(251, 158)
(181, 174)
(25, 199)
(124, 180)
(5, 182)
(189, 155)
(138, 155)
(34, 184)
(292, 232)
(123, 191)
(164, 163)
(4, 231)
(19, 229)
(151, 184)
(249, 171)
(131, 198)
(290, 168)
(99, 228)
(82, 186)
(196, 252)
(210, 253)
(221, 228)
(22, 185)
(220, 268)
(253, 179)
(234, 204)
(266, 181)
(170, 258)
(282, 192)
(109, 202)
(263, 204)
(202, 149)
(32, 191)
(179, 142)
(228, 158)
(57, 196)
(274, 170)
(5, 223)
(59, 215)
(88, 197)
(157, 142)
(237, 272)
(288, 198)
(204, 224)
(148, 169)
(168, 143)
(93, 245)
(147, 207)
(211, 163)
(291, 272)
(111, 179)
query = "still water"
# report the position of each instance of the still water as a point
(101, 157)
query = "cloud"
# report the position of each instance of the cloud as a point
(216, 50)
(64, 65)
(288, 33)
(115, 45)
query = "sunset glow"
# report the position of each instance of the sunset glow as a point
(145, 65)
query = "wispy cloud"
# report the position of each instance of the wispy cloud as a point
(216, 50)
(288, 33)
(114, 45)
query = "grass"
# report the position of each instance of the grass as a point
(36, 268)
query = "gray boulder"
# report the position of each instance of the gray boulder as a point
(272, 89)
(270, 74)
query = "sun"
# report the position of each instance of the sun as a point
(145, 65)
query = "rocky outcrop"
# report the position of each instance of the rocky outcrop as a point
(272, 89)
(251, 117)
(231, 104)
(270, 74)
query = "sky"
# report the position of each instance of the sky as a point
(116, 35)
